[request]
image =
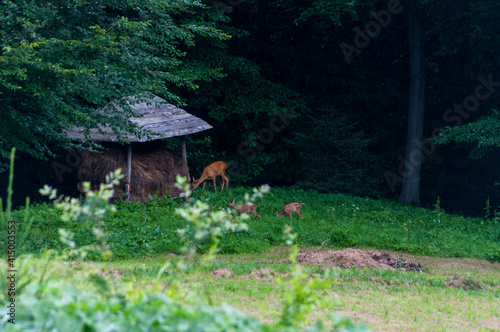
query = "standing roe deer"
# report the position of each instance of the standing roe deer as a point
(210, 172)
(290, 208)
(245, 208)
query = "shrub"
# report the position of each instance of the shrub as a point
(64, 308)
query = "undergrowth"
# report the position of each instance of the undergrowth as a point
(138, 229)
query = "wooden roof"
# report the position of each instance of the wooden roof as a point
(165, 120)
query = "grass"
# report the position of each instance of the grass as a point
(141, 230)
(460, 291)
(384, 299)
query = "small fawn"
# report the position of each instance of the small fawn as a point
(245, 208)
(290, 208)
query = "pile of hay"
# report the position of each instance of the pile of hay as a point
(154, 170)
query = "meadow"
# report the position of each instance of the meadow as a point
(144, 230)
(254, 269)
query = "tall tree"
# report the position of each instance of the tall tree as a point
(410, 191)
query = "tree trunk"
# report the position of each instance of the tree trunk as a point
(410, 191)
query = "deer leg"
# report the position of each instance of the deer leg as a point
(215, 186)
(300, 214)
(204, 183)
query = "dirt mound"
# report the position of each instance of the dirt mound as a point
(263, 273)
(356, 258)
(465, 283)
(222, 273)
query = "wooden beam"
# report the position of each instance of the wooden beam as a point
(183, 149)
(184, 155)
(129, 170)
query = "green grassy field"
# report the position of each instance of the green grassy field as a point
(459, 290)
(141, 230)
(453, 295)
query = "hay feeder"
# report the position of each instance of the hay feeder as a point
(151, 169)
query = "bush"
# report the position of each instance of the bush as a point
(64, 308)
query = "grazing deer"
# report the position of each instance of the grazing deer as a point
(210, 172)
(290, 208)
(245, 208)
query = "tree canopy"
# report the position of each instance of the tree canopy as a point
(62, 60)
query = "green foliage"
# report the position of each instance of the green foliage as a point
(63, 308)
(333, 155)
(59, 62)
(244, 105)
(481, 136)
(47, 305)
(141, 230)
(91, 211)
(243, 242)
(301, 296)
(205, 226)
(341, 239)
(13, 232)
(334, 11)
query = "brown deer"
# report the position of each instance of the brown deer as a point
(210, 172)
(245, 208)
(290, 208)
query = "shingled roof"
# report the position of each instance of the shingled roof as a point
(165, 120)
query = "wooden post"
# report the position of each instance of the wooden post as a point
(129, 170)
(183, 148)
(184, 155)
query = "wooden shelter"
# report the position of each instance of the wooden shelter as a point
(155, 168)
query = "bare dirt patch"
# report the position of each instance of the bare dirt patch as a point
(492, 324)
(222, 273)
(346, 258)
(465, 283)
(356, 258)
(265, 275)
(451, 266)
(115, 271)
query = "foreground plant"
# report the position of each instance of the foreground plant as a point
(93, 209)
(302, 295)
(49, 306)
(204, 224)
(13, 234)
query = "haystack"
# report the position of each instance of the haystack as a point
(154, 170)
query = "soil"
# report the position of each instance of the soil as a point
(345, 258)
(348, 258)
(357, 258)
(457, 272)
(222, 273)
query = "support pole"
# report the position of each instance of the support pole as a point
(184, 155)
(183, 149)
(129, 170)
